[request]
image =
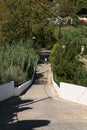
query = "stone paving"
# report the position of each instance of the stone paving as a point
(41, 109)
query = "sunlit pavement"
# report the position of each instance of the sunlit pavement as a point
(41, 109)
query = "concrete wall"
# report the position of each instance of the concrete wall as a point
(6, 90)
(57, 88)
(71, 92)
(23, 87)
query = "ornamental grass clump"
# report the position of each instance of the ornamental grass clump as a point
(17, 62)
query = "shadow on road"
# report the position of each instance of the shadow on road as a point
(38, 75)
(26, 125)
(9, 110)
(40, 79)
(9, 115)
(36, 101)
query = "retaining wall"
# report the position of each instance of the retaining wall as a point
(71, 92)
(8, 90)
(56, 86)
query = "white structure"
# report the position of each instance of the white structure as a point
(8, 90)
(23, 87)
(71, 92)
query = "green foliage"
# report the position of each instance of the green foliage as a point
(16, 61)
(57, 53)
(79, 4)
(85, 51)
(66, 66)
(45, 38)
(71, 7)
(65, 56)
(73, 35)
(21, 20)
(66, 8)
(13, 73)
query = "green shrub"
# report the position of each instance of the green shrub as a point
(74, 35)
(14, 73)
(65, 60)
(17, 62)
(85, 51)
(66, 65)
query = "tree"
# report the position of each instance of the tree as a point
(71, 7)
(4, 16)
(79, 4)
(66, 8)
(25, 19)
(21, 23)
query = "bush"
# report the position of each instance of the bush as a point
(14, 73)
(85, 51)
(66, 66)
(15, 62)
(65, 56)
(73, 35)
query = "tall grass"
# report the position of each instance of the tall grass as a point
(17, 62)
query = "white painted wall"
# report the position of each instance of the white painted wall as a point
(57, 88)
(21, 88)
(6, 90)
(75, 93)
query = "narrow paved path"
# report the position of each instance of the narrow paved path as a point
(41, 109)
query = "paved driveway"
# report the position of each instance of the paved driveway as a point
(41, 109)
